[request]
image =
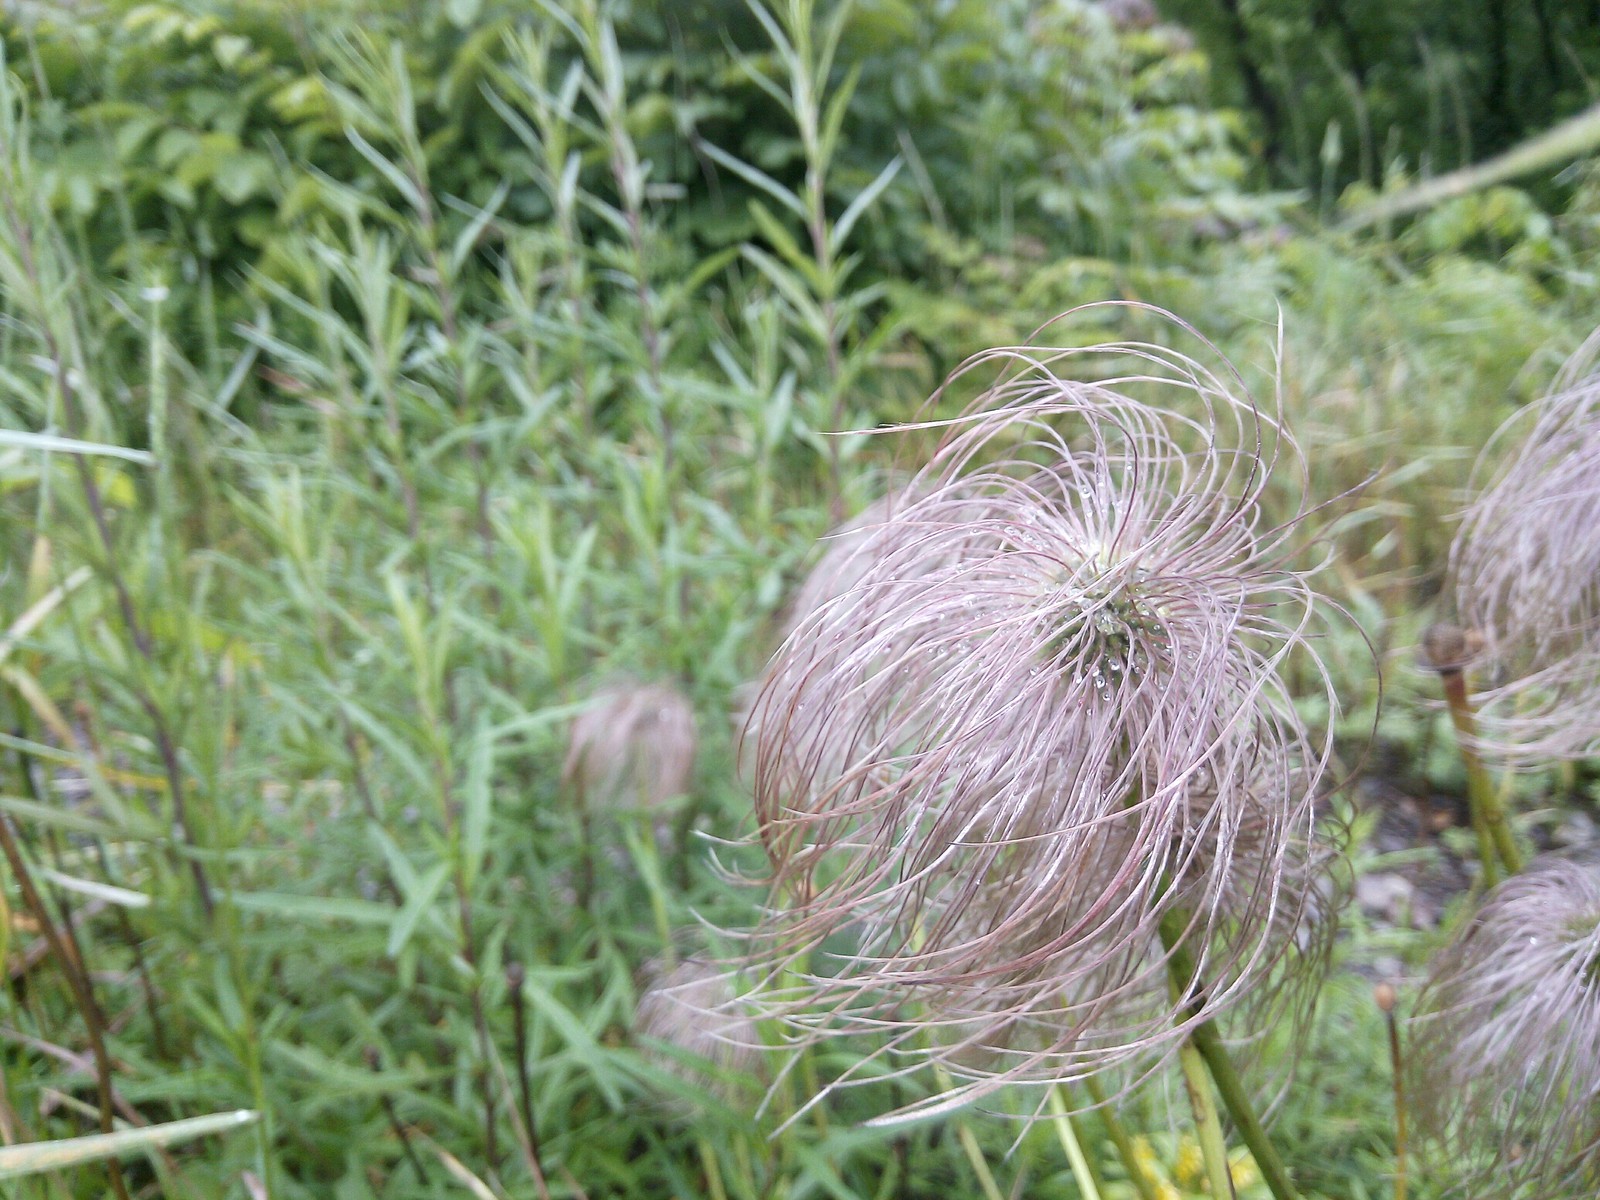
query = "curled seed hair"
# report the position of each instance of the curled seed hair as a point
(1505, 1046)
(1525, 575)
(1044, 718)
(633, 747)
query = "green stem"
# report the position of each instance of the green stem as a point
(1207, 1124)
(1123, 1142)
(980, 1166)
(969, 1143)
(1208, 1042)
(1485, 801)
(1082, 1171)
(708, 1163)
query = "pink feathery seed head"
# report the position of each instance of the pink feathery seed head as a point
(842, 559)
(691, 1017)
(1046, 714)
(1504, 1052)
(634, 746)
(1525, 577)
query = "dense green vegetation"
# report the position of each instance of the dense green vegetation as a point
(445, 363)
(1342, 90)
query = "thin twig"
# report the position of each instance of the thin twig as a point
(1384, 995)
(395, 1124)
(516, 976)
(78, 981)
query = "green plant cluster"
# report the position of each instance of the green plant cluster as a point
(379, 380)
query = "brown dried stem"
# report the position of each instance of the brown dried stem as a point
(78, 981)
(1385, 996)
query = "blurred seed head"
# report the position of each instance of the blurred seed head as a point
(842, 562)
(1447, 647)
(1525, 575)
(844, 558)
(1131, 14)
(1504, 1054)
(691, 1008)
(633, 747)
(1045, 714)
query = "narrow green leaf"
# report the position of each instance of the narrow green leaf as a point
(833, 119)
(111, 894)
(390, 741)
(415, 907)
(387, 169)
(322, 908)
(34, 1158)
(478, 803)
(757, 178)
(467, 241)
(49, 442)
(69, 820)
(783, 241)
(858, 206)
(580, 1042)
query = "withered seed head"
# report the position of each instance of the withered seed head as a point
(691, 1007)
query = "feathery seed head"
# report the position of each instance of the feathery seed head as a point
(691, 1007)
(1044, 716)
(1505, 1049)
(633, 747)
(1525, 575)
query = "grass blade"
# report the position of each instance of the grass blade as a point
(37, 1157)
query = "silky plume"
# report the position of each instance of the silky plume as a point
(1043, 719)
(1504, 1054)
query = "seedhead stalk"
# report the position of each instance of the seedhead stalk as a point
(1384, 995)
(1207, 1042)
(1448, 650)
(1120, 1139)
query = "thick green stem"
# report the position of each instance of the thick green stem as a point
(1485, 801)
(1082, 1171)
(1120, 1138)
(1207, 1124)
(1208, 1042)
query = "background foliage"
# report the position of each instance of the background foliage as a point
(462, 358)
